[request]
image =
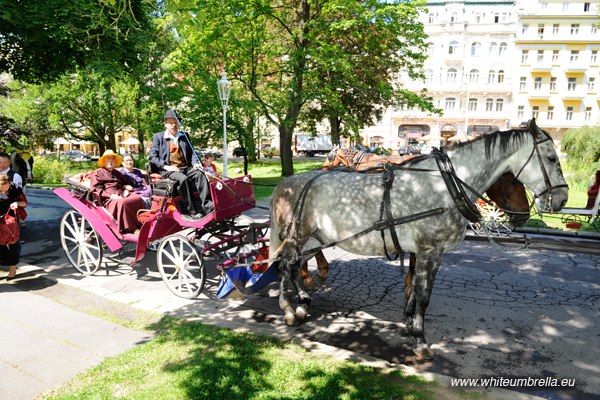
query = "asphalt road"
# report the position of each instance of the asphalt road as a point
(495, 312)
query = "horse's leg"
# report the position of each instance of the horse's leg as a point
(408, 282)
(303, 297)
(425, 270)
(289, 261)
(307, 278)
(322, 267)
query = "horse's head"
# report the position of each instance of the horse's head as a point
(541, 171)
(509, 194)
(331, 158)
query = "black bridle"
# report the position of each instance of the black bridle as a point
(549, 186)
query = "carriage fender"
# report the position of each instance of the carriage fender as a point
(99, 226)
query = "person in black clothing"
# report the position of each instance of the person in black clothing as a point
(13, 199)
(173, 156)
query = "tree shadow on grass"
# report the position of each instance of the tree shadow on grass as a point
(225, 364)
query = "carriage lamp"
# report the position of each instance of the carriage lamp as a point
(224, 87)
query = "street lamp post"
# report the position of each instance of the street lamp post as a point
(224, 87)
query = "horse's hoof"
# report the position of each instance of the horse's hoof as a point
(290, 319)
(301, 312)
(423, 352)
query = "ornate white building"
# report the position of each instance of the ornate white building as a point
(494, 64)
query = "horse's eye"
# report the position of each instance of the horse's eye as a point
(552, 159)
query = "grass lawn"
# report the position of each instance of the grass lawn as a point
(190, 360)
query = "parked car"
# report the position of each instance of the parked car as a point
(238, 152)
(203, 152)
(77, 155)
(408, 150)
(271, 152)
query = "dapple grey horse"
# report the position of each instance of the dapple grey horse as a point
(306, 215)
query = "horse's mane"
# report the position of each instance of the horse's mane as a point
(508, 140)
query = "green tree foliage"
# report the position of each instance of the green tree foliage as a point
(288, 54)
(582, 146)
(42, 39)
(85, 106)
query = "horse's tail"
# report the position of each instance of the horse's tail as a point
(274, 238)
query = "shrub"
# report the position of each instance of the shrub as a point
(48, 169)
(582, 146)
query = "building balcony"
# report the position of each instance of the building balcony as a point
(541, 68)
(576, 68)
(539, 95)
(577, 94)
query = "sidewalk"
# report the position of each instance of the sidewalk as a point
(45, 344)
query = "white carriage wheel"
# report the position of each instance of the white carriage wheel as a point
(80, 242)
(181, 266)
(497, 221)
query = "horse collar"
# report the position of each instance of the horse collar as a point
(455, 186)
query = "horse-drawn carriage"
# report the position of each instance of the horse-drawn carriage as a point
(89, 231)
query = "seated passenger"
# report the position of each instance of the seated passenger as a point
(209, 165)
(140, 186)
(116, 192)
(172, 154)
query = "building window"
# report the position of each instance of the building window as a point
(476, 49)
(524, 56)
(428, 76)
(537, 84)
(574, 56)
(588, 113)
(489, 105)
(472, 104)
(540, 56)
(535, 112)
(524, 29)
(477, 18)
(543, 6)
(454, 18)
(520, 110)
(555, 29)
(591, 84)
(450, 103)
(451, 76)
(431, 18)
(569, 115)
(574, 29)
(586, 7)
(572, 84)
(493, 48)
(474, 76)
(502, 48)
(594, 57)
(430, 49)
(550, 112)
(565, 7)
(492, 76)
(555, 54)
(594, 29)
(453, 47)
(501, 76)
(496, 18)
(499, 104)
(541, 30)
(553, 84)
(523, 83)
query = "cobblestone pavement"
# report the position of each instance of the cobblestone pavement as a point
(492, 313)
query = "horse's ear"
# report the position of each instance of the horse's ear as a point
(533, 128)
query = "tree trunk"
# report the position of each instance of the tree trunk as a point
(285, 139)
(334, 123)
